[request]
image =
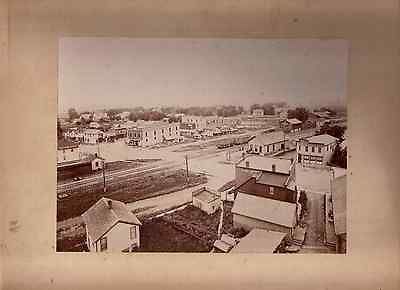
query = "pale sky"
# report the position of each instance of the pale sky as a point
(99, 73)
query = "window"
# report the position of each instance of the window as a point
(162, 131)
(319, 149)
(271, 190)
(306, 148)
(72, 150)
(146, 136)
(103, 244)
(97, 163)
(155, 132)
(312, 149)
(132, 233)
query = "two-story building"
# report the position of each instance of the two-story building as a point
(111, 227)
(203, 122)
(144, 133)
(266, 196)
(92, 136)
(265, 144)
(316, 150)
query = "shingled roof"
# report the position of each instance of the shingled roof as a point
(104, 215)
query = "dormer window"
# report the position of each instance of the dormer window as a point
(273, 167)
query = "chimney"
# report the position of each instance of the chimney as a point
(109, 204)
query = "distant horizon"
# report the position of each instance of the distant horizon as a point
(107, 73)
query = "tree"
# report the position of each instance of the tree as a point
(268, 109)
(335, 131)
(339, 157)
(299, 113)
(72, 114)
(254, 107)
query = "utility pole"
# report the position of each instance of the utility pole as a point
(104, 176)
(187, 168)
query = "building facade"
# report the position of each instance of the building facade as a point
(92, 136)
(111, 227)
(316, 150)
(152, 133)
(266, 144)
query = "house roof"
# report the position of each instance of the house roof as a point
(324, 139)
(254, 187)
(264, 163)
(270, 138)
(274, 179)
(206, 194)
(339, 204)
(259, 241)
(265, 209)
(65, 144)
(99, 219)
(294, 121)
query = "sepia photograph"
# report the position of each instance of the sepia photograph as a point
(203, 145)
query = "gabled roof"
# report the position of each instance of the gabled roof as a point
(259, 241)
(324, 139)
(265, 209)
(99, 218)
(65, 144)
(270, 138)
(275, 179)
(339, 204)
(253, 187)
(264, 163)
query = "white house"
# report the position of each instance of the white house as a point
(67, 151)
(92, 136)
(270, 143)
(111, 227)
(316, 150)
(206, 199)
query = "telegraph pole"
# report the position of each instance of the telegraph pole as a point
(187, 168)
(104, 176)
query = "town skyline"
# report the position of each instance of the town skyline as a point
(102, 73)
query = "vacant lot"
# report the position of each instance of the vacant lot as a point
(186, 230)
(158, 235)
(129, 190)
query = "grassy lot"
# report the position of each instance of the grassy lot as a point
(186, 230)
(158, 235)
(130, 190)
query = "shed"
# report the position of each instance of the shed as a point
(206, 199)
